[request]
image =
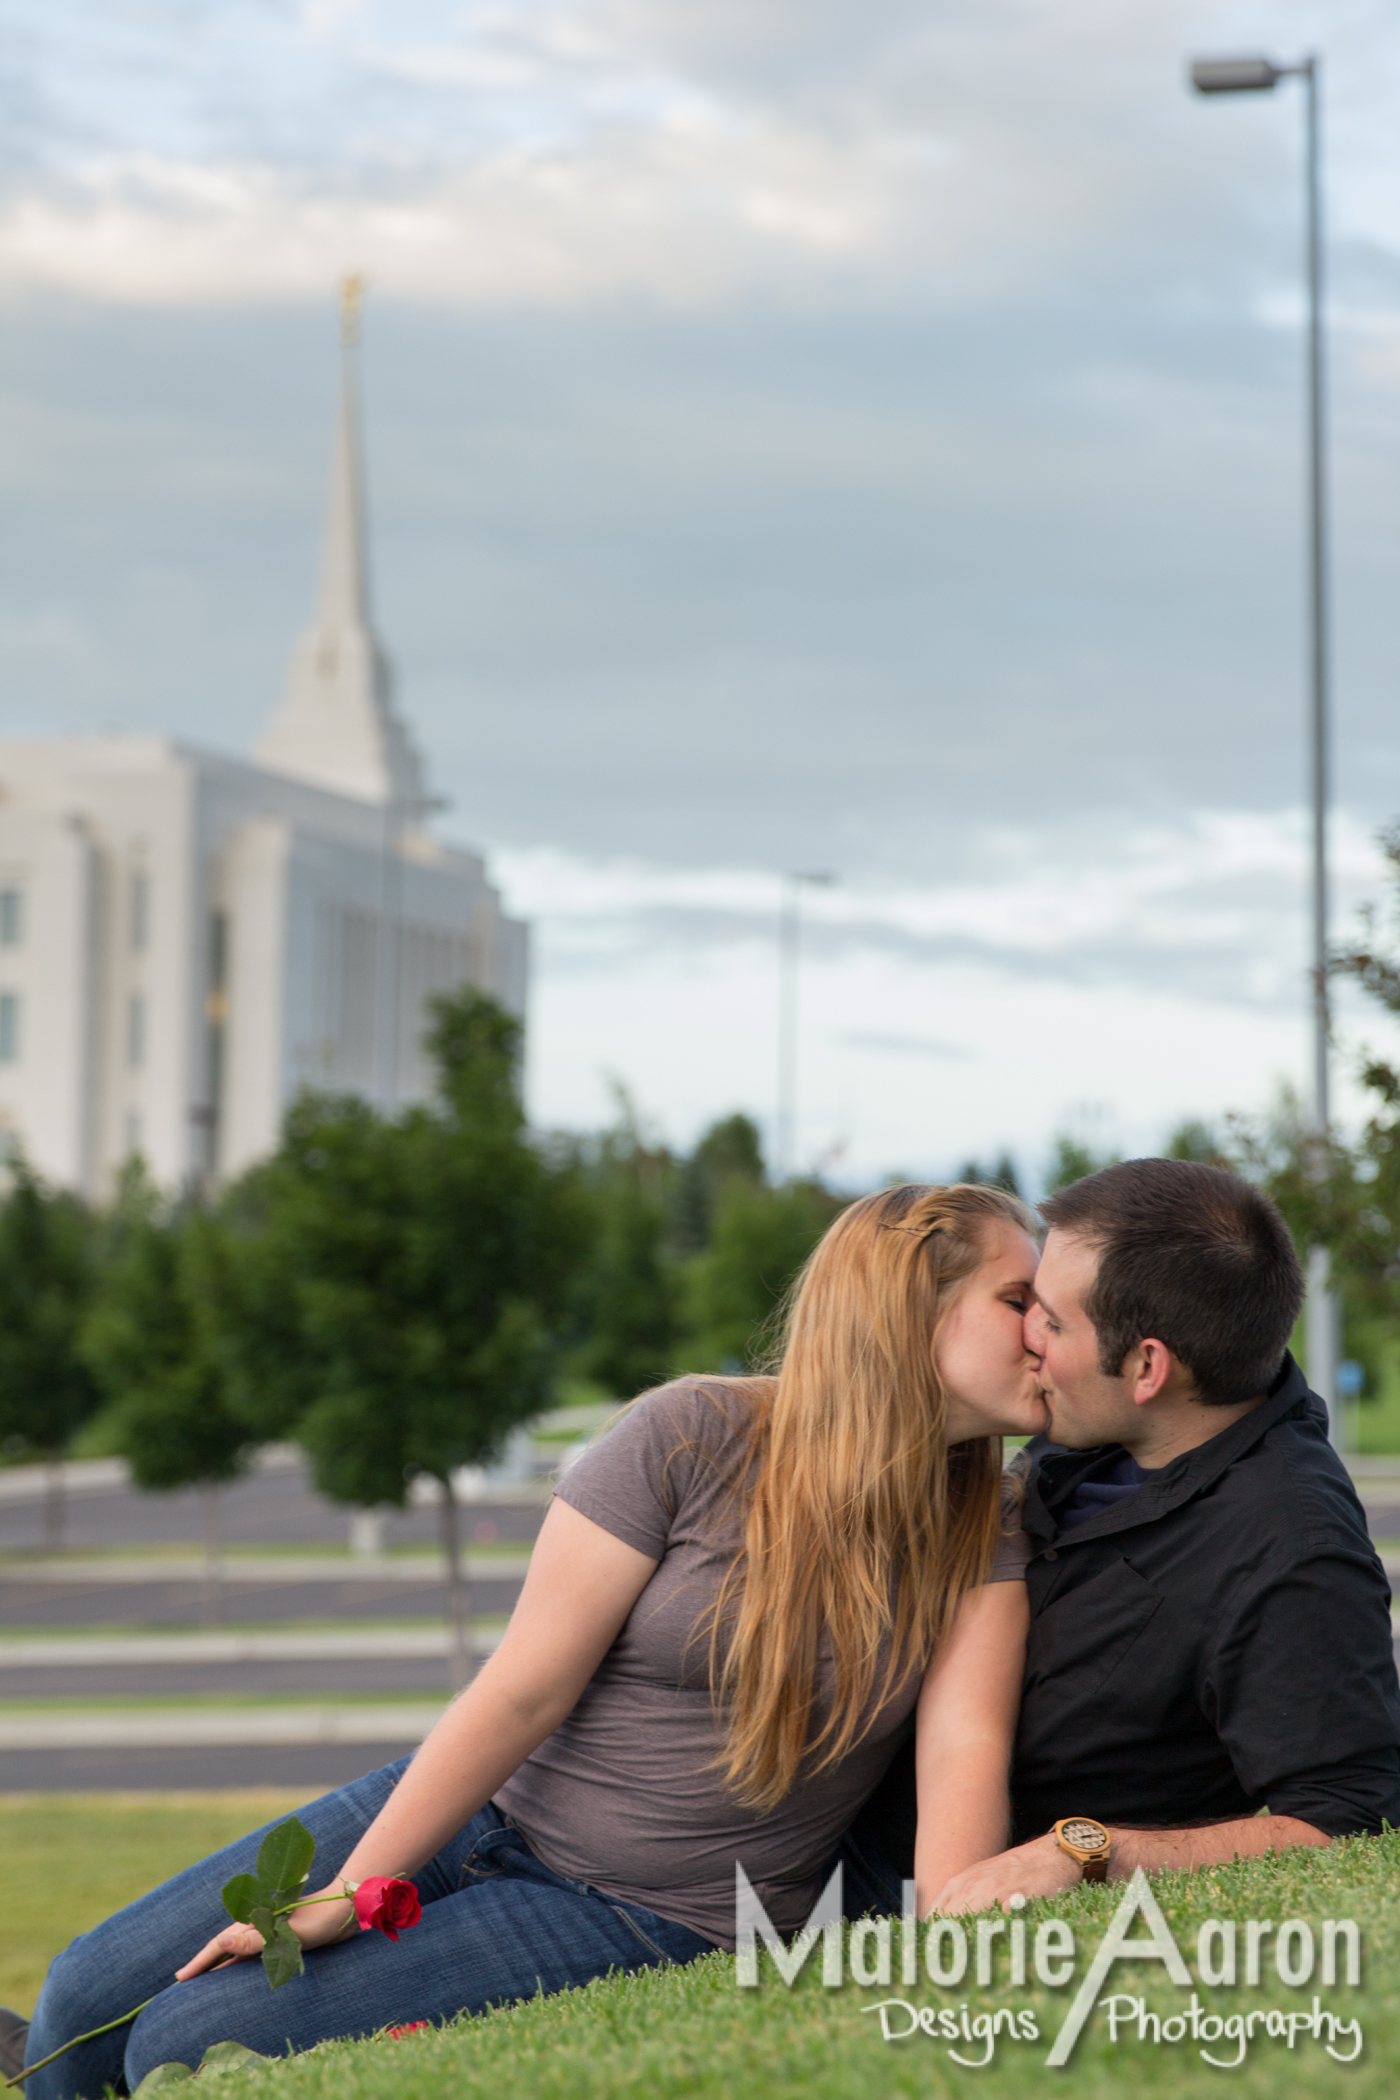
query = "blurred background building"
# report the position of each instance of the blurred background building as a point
(185, 939)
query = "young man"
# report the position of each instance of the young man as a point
(1210, 1625)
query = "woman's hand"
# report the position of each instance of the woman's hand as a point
(1035, 1869)
(314, 1921)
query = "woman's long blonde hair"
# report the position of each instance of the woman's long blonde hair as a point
(864, 1526)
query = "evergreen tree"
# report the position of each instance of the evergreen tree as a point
(1197, 1141)
(629, 1294)
(1071, 1159)
(760, 1239)
(730, 1151)
(152, 1341)
(47, 1278)
(1000, 1175)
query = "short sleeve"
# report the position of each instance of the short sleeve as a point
(1013, 1547)
(634, 1478)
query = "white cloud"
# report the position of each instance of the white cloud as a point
(609, 149)
(1149, 978)
(699, 208)
(802, 433)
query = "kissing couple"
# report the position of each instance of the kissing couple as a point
(774, 1620)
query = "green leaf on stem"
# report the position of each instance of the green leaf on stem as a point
(161, 2075)
(217, 2061)
(221, 2057)
(285, 1856)
(281, 1957)
(241, 1894)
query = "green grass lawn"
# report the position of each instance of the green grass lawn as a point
(693, 2033)
(1376, 1418)
(78, 1857)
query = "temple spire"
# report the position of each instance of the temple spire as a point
(344, 582)
(337, 726)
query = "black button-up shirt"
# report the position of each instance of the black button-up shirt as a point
(1217, 1642)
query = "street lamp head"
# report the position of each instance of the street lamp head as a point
(1235, 76)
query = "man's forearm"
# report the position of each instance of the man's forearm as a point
(1040, 1868)
(1248, 1838)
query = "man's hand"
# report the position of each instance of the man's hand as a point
(1036, 1869)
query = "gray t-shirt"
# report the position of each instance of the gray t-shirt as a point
(624, 1793)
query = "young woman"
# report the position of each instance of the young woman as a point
(741, 1599)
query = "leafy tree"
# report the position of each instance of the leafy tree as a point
(47, 1277)
(427, 1264)
(1331, 1196)
(152, 1342)
(1367, 960)
(761, 1238)
(1343, 1193)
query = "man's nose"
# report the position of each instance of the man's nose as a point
(1033, 1331)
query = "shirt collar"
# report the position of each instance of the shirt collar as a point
(1056, 1473)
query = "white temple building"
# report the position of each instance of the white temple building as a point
(186, 939)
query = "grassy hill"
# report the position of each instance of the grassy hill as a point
(692, 2034)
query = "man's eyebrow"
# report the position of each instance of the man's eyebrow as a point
(1044, 1304)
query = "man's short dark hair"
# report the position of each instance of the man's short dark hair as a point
(1194, 1256)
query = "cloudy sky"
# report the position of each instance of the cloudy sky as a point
(842, 435)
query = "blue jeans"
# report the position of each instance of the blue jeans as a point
(497, 1925)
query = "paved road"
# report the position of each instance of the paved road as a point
(273, 1680)
(312, 1768)
(272, 1507)
(94, 1601)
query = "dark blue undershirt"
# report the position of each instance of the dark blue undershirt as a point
(1113, 1481)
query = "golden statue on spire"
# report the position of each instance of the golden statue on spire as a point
(352, 299)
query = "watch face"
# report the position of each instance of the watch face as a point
(1081, 1831)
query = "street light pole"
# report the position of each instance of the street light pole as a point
(789, 948)
(1229, 76)
(1321, 638)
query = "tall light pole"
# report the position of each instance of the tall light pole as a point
(789, 950)
(1234, 76)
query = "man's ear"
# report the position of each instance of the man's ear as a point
(1147, 1370)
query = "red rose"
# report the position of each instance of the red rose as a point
(387, 1906)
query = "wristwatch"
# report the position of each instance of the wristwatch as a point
(1087, 1842)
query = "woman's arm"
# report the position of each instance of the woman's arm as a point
(581, 1584)
(962, 1747)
